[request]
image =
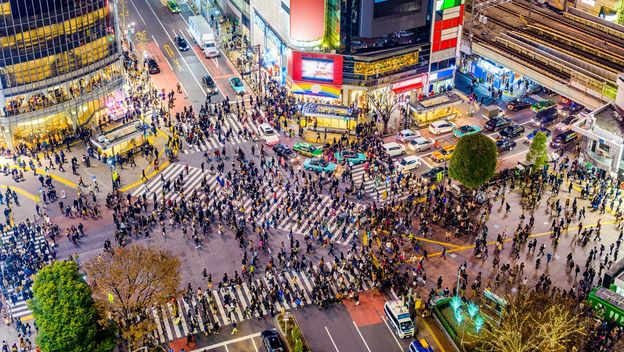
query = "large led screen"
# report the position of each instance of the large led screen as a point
(317, 69)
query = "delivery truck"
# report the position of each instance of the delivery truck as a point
(203, 35)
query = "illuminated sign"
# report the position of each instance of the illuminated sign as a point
(386, 65)
(409, 84)
(589, 2)
(317, 69)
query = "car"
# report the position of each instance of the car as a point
(268, 133)
(173, 6)
(436, 173)
(350, 157)
(284, 151)
(272, 341)
(512, 131)
(408, 163)
(393, 149)
(504, 145)
(210, 50)
(564, 125)
(152, 67)
(443, 153)
(421, 143)
(406, 136)
(546, 117)
(564, 139)
(518, 104)
(543, 105)
(441, 126)
(466, 130)
(571, 109)
(211, 86)
(531, 135)
(420, 346)
(319, 165)
(307, 149)
(237, 85)
(181, 43)
(497, 123)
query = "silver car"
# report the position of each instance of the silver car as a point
(421, 143)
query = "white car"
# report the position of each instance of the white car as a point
(406, 136)
(394, 149)
(268, 133)
(441, 126)
(408, 163)
(421, 143)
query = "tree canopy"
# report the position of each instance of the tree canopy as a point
(474, 160)
(65, 312)
(538, 151)
(130, 282)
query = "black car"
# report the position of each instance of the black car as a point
(518, 104)
(211, 86)
(571, 109)
(152, 66)
(546, 117)
(504, 145)
(497, 123)
(512, 131)
(181, 43)
(284, 151)
(564, 139)
(432, 175)
(272, 341)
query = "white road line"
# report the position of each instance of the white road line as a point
(155, 41)
(176, 47)
(362, 337)
(514, 155)
(392, 333)
(332, 339)
(228, 342)
(138, 13)
(184, 89)
(254, 344)
(202, 62)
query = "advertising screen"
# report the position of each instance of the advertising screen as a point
(313, 69)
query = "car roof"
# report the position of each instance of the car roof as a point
(439, 122)
(407, 131)
(411, 157)
(420, 139)
(391, 145)
(265, 125)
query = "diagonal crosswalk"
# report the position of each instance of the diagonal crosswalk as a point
(378, 188)
(191, 315)
(174, 182)
(232, 133)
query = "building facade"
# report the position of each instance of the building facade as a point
(60, 63)
(341, 49)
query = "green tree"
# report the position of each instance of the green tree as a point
(474, 160)
(65, 312)
(538, 152)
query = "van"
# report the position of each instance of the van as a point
(399, 318)
(564, 139)
(394, 149)
(546, 116)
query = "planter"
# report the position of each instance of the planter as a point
(462, 335)
(291, 333)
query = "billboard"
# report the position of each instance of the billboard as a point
(307, 20)
(315, 67)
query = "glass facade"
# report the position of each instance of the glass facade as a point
(58, 60)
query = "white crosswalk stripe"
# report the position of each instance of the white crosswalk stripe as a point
(215, 140)
(377, 187)
(163, 185)
(171, 327)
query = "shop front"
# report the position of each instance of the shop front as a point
(441, 81)
(327, 118)
(490, 73)
(436, 107)
(273, 49)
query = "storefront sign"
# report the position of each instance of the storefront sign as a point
(440, 75)
(390, 64)
(315, 67)
(412, 83)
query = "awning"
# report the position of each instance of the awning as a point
(409, 84)
(316, 89)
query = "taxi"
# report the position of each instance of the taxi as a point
(350, 157)
(443, 153)
(307, 149)
(420, 346)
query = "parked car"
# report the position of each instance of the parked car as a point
(564, 139)
(211, 86)
(504, 145)
(518, 104)
(268, 134)
(393, 149)
(497, 123)
(237, 85)
(512, 131)
(319, 165)
(546, 117)
(307, 149)
(181, 43)
(152, 67)
(441, 126)
(543, 105)
(408, 163)
(567, 122)
(433, 174)
(284, 151)
(350, 157)
(443, 153)
(421, 143)
(531, 135)
(407, 135)
(272, 341)
(466, 130)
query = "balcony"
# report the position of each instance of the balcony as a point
(603, 161)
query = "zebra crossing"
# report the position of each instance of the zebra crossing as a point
(233, 304)
(164, 186)
(215, 141)
(379, 190)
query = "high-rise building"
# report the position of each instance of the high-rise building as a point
(343, 48)
(60, 64)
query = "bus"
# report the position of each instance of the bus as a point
(607, 304)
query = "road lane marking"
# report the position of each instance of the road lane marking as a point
(392, 333)
(202, 62)
(171, 40)
(332, 339)
(228, 342)
(254, 344)
(138, 13)
(155, 41)
(23, 192)
(168, 49)
(361, 336)
(430, 331)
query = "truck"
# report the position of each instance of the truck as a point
(492, 111)
(203, 35)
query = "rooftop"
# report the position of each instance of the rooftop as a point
(610, 118)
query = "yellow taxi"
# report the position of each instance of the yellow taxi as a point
(443, 153)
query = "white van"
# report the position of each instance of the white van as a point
(268, 133)
(394, 149)
(399, 318)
